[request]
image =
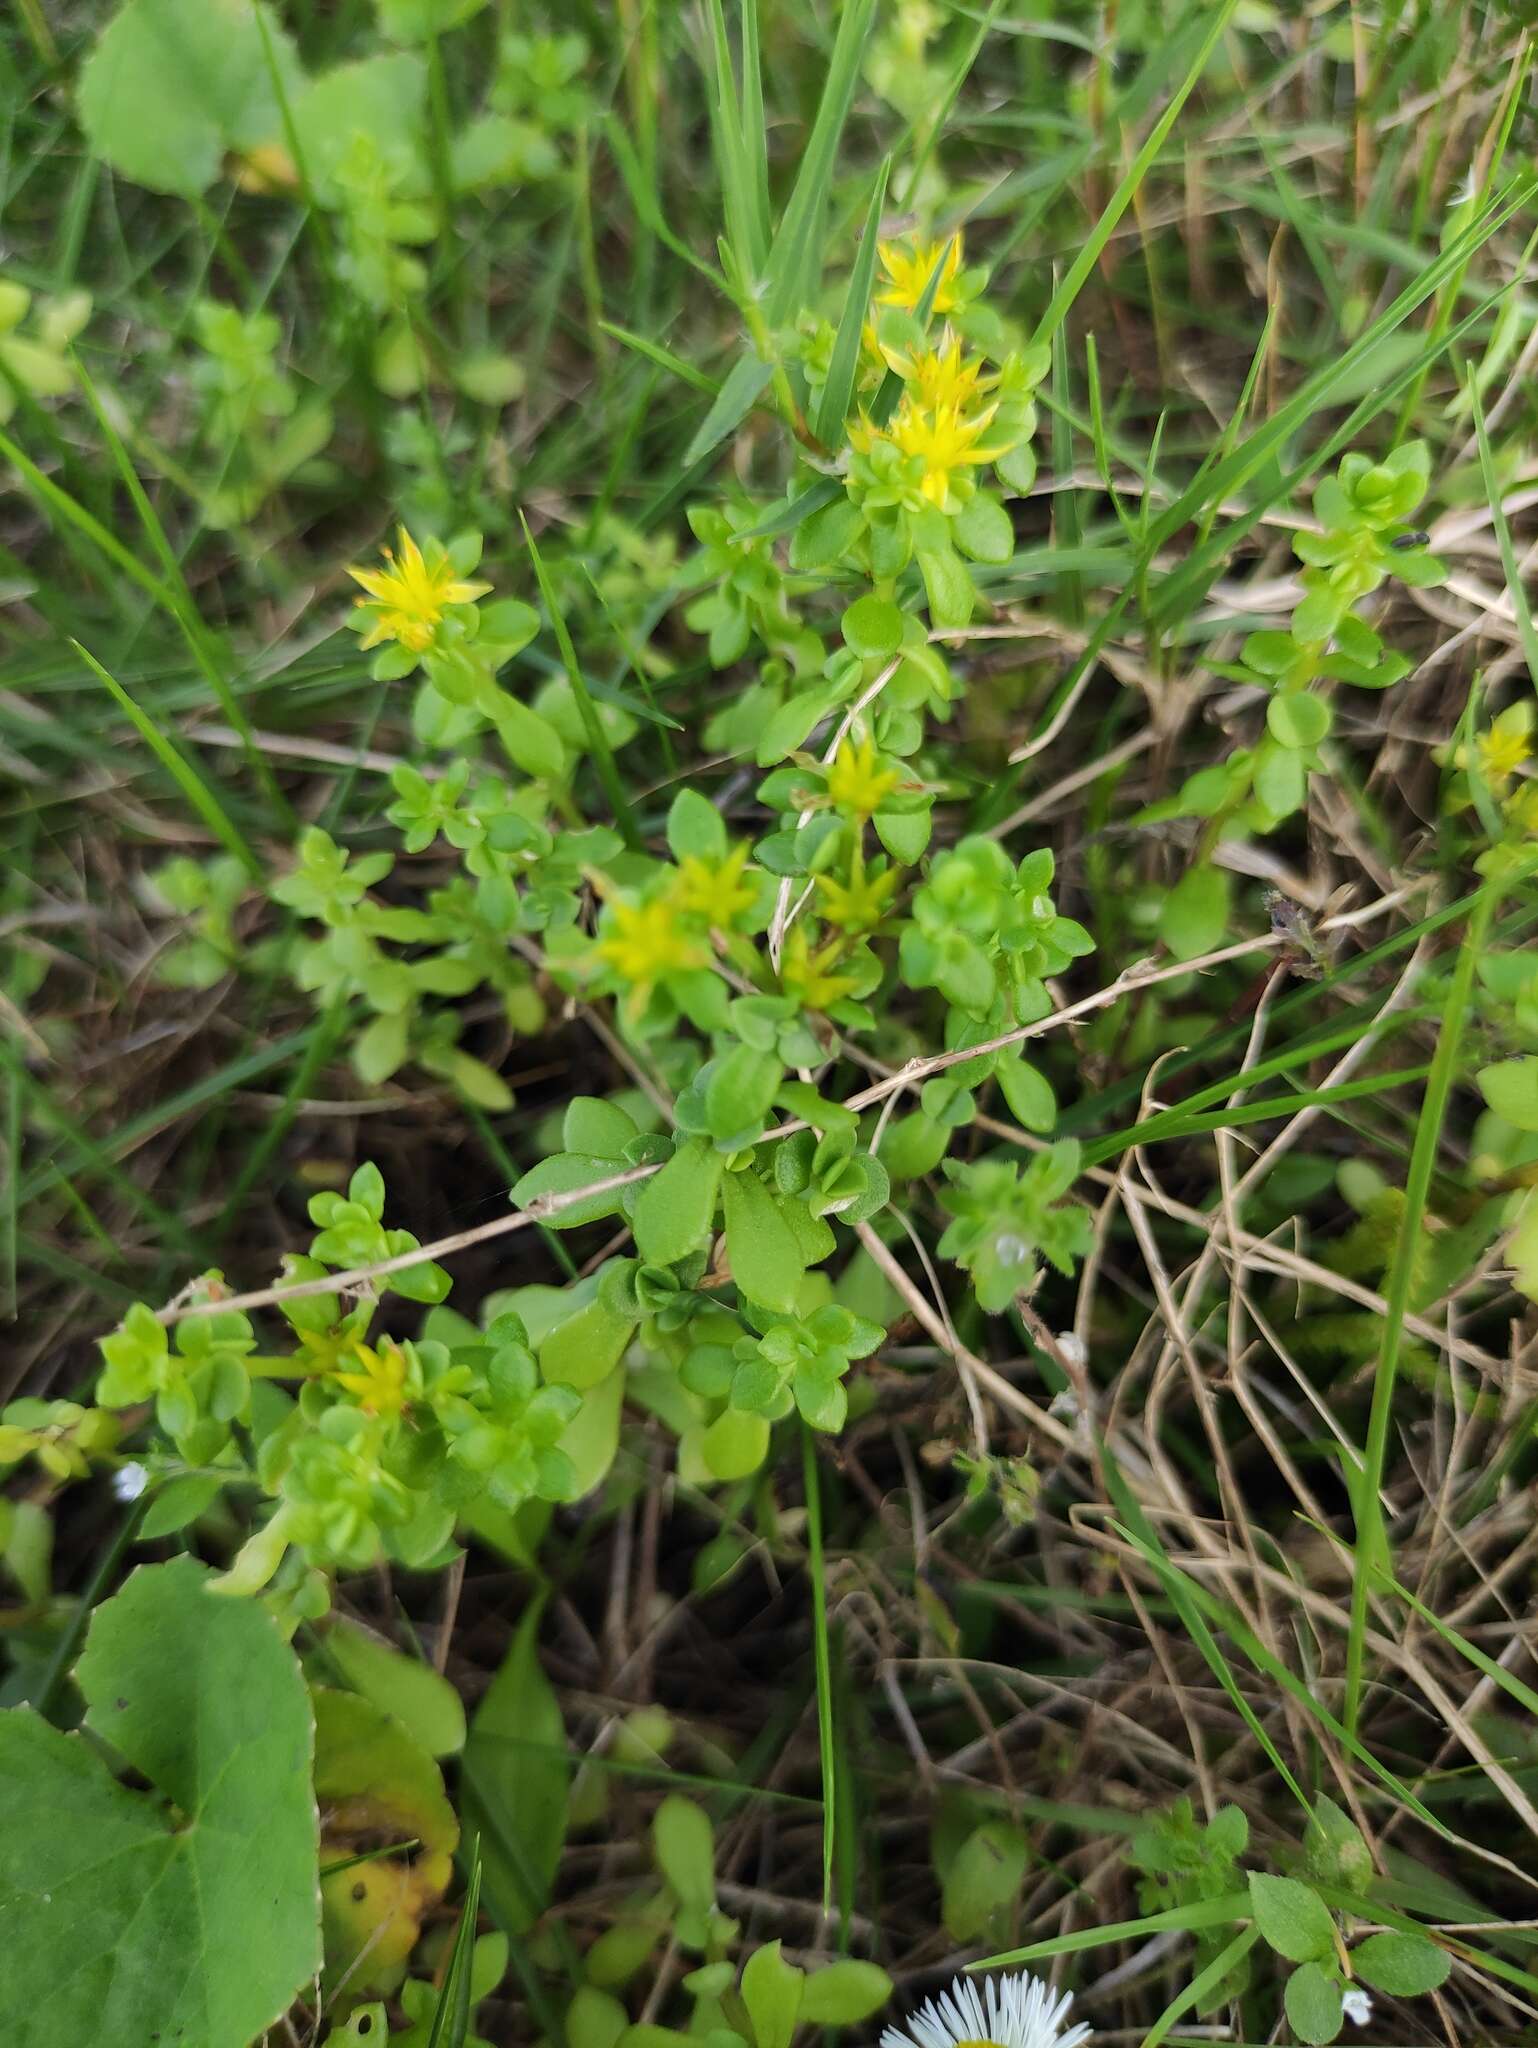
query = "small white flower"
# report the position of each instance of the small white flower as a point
(1356, 2005)
(1008, 2012)
(1074, 1350)
(129, 1481)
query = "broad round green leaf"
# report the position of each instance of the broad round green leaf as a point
(735, 1444)
(586, 1347)
(765, 1259)
(531, 742)
(771, 1991)
(673, 1214)
(984, 530)
(949, 589)
(381, 97)
(685, 1849)
(172, 85)
(188, 1913)
(695, 827)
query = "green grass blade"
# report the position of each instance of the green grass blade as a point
(795, 260)
(745, 384)
(1495, 495)
(793, 264)
(1524, 1695)
(845, 360)
(1371, 1559)
(597, 739)
(76, 515)
(1168, 1124)
(785, 518)
(1191, 1919)
(1142, 1535)
(176, 765)
(1193, 1599)
(644, 200)
(184, 609)
(1227, 476)
(750, 245)
(1084, 263)
(664, 358)
(816, 1565)
(755, 133)
(1205, 1981)
(451, 2020)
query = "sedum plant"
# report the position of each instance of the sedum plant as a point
(745, 962)
(1364, 538)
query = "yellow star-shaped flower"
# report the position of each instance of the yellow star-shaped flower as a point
(940, 376)
(946, 441)
(859, 904)
(809, 975)
(717, 890)
(379, 1384)
(645, 942)
(910, 269)
(408, 598)
(1502, 750)
(856, 785)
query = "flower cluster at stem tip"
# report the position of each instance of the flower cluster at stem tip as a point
(943, 396)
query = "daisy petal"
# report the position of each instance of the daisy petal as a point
(1016, 2011)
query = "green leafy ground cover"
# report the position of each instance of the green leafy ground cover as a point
(769, 1032)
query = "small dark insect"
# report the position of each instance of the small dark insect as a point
(1406, 541)
(1303, 953)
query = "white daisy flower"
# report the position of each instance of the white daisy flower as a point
(997, 2012)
